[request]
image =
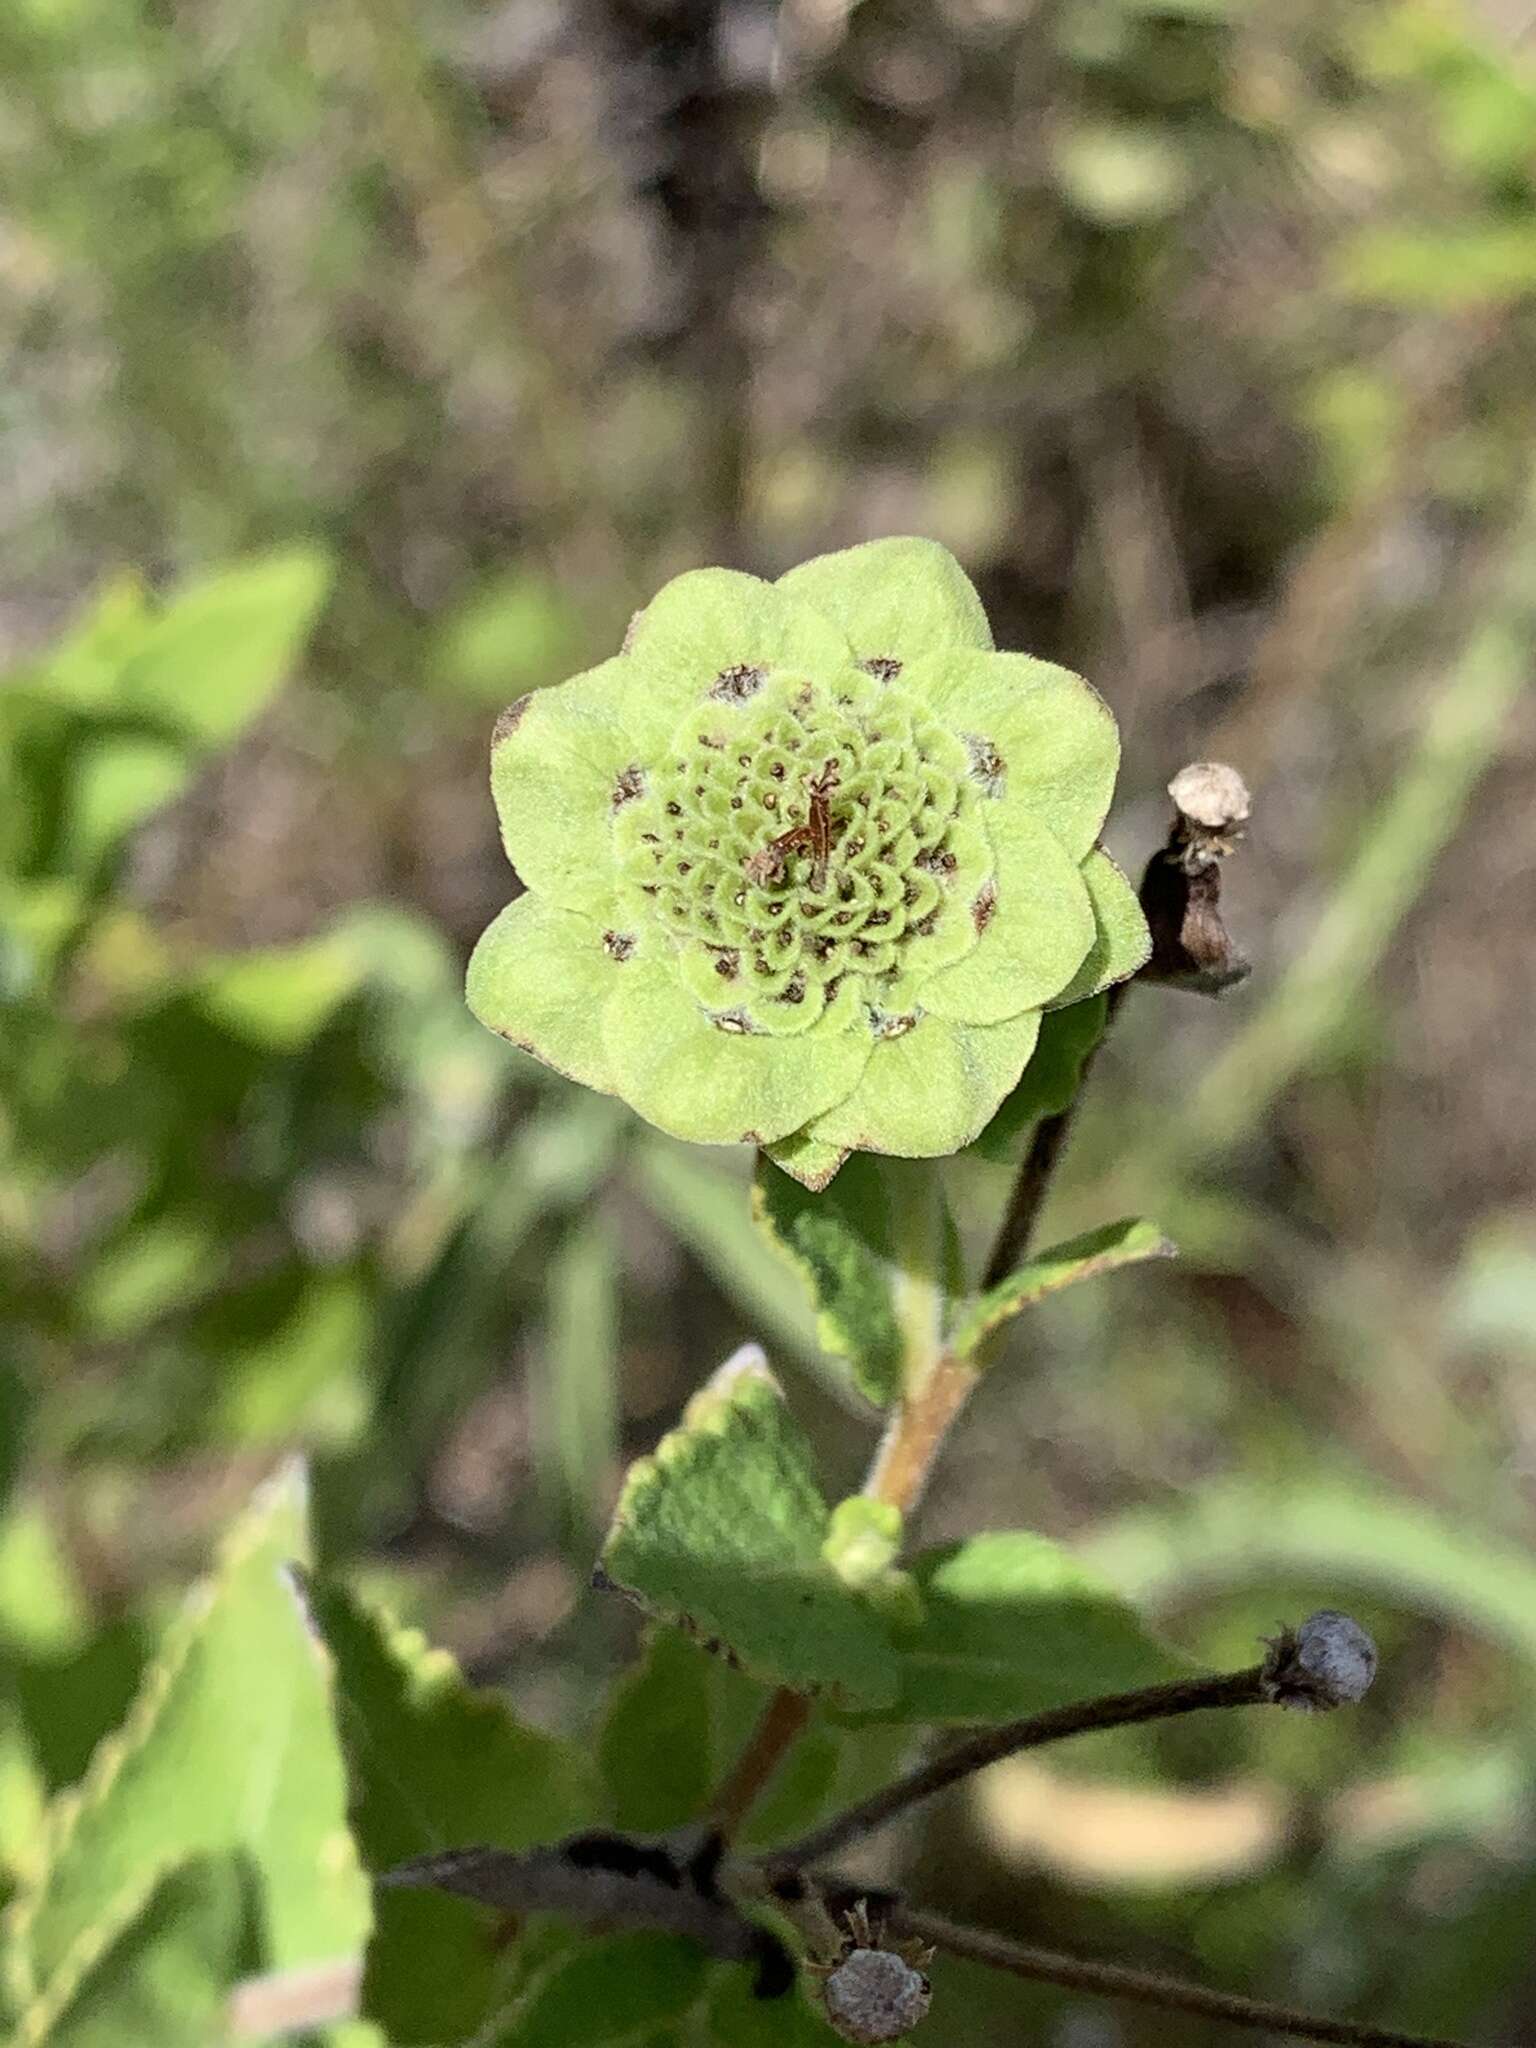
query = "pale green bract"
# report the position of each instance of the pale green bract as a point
(806, 862)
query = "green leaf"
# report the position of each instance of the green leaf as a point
(23, 1791)
(307, 1380)
(83, 670)
(1012, 1624)
(155, 1266)
(656, 1748)
(118, 783)
(841, 1244)
(676, 1722)
(1064, 1265)
(229, 1744)
(735, 2019)
(434, 1764)
(210, 664)
(517, 631)
(280, 997)
(1050, 1082)
(616, 1989)
(160, 1970)
(720, 1533)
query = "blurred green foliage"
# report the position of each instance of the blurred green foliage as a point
(363, 366)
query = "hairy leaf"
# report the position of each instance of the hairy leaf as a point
(720, 1532)
(229, 1744)
(1064, 1265)
(1011, 1623)
(158, 1969)
(434, 1765)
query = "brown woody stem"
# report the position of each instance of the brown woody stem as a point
(778, 1727)
(1172, 1994)
(1118, 1710)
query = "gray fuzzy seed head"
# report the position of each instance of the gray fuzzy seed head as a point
(875, 1995)
(1338, 1653)
(1328, 1662)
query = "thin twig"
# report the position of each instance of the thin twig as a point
(1118, 1710)
(778, 1727)
(1039, 1166)
(1172, 1994)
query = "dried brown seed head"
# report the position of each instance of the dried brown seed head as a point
(1210, 794)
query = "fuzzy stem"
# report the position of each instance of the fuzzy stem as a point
(1172, 1994)
(1118, 1710)
(916, 1432)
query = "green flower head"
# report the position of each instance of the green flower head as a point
(806, 861)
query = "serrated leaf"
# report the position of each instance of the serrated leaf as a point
(1012, 1624)
(222, 648)
(229, 1744)
(158, 1972)
(720, 1533)
(1064, 1265)
(1050, 1081)
(434, 1764)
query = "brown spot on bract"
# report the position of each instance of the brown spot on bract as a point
(885, 668)
(987, 765)
(735, 685)
(618, 945)
(510, 720)
(631, 629)
(728, 964)
(892, 1024)
(984, 908)
(630, 784)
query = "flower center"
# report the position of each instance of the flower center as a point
(802, 834)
